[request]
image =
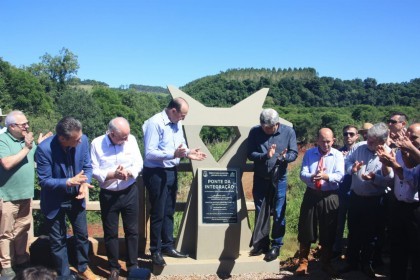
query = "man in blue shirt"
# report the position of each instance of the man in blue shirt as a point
(271, 146)
(350, 137)
(165, 145)
(322, 171)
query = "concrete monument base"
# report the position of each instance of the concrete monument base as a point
(243, 264)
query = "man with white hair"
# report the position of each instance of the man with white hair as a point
(366, 210)
(17, 173)
(271, 146)
(116, 163)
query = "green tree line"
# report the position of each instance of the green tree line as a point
(50, 89)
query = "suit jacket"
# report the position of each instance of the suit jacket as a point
(52, 173)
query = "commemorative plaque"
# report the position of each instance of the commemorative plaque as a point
(219, 196)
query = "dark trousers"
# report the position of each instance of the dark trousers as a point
(58, 238)
(319, 209)
(162, 185)
(405, 240)
(344, 199)
(261, 190)
(126, 203)
(365, 222)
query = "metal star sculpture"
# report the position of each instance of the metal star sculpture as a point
(242, 117)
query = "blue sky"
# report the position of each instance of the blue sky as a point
(172, 42)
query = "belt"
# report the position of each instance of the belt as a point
(126, 190)
(321, 192)
(173, 168)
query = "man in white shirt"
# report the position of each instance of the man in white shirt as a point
(116, 162)
(405, 214)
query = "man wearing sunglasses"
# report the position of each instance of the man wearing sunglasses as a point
(397, 127)
(350, 137)
(17, 173)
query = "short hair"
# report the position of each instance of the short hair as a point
(66, 126)
(11, 117)
(378, 131)
(269, 117)
(112, 126)
(35, 273)
(403, 117)
(177, 103)
(350, 126)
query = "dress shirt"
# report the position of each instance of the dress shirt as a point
(107, 157)
(412, 176)
(403, 190)
(161, 139)
(371, 163)
(259, 143)
(333, 164)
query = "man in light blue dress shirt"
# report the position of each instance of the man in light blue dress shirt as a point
(165, 145)
(322, 171)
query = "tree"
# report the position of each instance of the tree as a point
(59, 69)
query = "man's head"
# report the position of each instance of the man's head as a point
(118, 130)
(377, 135)
(397, 121)
(69, 132)
(325, 140)
(270, 121)
(17, 124)
(364, 129)
(350, 135)
(177, 109)
(413, 133)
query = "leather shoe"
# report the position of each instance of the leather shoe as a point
(174, 253)
(272, 254)
(157, 259)
(257, 251)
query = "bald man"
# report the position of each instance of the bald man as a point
(116, 163)
(322, 171)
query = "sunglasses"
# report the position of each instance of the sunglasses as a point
(392, 121)
(347, 134)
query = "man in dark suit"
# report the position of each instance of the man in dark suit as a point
(64, 170)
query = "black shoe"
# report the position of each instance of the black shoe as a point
(115, 274)
(272, 254)
(174, 253)
(368, 271)
(257, 251)
(157, 259)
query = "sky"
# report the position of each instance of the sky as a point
(160, 43)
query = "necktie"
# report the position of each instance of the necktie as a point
(320, 167)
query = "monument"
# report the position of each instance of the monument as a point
(214, 230)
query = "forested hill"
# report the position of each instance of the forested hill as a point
(301, 87)
(48, 90)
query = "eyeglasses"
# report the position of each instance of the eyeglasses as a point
(392, 121)
(346, 134)
(22, 124)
